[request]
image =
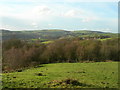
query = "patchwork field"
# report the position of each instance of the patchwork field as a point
(65, 75)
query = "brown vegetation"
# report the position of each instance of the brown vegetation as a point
(18, 54)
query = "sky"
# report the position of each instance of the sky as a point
(97, 15)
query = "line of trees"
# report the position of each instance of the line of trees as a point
(19, 54)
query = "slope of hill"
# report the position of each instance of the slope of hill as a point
(52, 34)
(58, 75)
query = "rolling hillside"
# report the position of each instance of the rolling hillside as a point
(53, 34)
(65, 75)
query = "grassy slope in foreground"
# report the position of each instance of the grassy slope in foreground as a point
(89, 75)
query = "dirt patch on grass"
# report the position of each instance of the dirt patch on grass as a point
(66, 83)
(40, 74)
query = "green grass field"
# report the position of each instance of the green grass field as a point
(46, 42)
(65, 75)
(105, 39)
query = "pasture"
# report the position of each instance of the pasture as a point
(65, 75)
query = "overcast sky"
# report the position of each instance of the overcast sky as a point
(56, 14)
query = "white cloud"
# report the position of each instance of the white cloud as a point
(88, 19)
(84, 29)
(6, 10)
(91, 0)
(9, 27)
(41, 10)
(105, 29)
(38, 1)
(73, 13)
(84, 15)
(37, 13)
(70, 13)
(49, 24)
(34, 24)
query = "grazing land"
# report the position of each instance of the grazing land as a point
(65, 75)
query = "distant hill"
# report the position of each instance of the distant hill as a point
(52, 34)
